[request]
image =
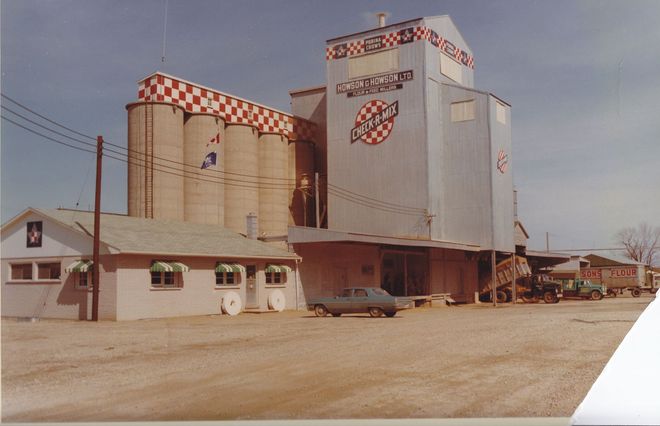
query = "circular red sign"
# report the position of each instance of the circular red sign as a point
(380, 132)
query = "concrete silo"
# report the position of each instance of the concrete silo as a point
(155, 164)
(241, 175)
(273, 184)
(204, 188)
(301, 200)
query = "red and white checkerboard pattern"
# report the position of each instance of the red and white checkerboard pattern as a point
(382, 131)
(196, 99)
(394, 39)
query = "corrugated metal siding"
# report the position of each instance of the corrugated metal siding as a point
(466, 203)
(502, 181)
(445, 28)
(394, 170)
(427, 162)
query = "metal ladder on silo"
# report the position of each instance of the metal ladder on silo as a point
(149, 161)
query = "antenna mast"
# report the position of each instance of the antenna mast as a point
(162, 58)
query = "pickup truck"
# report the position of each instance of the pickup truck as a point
(583, 289)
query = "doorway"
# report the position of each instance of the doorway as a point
(251, 299)
(404, 273)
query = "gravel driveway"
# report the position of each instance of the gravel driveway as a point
(465, 361)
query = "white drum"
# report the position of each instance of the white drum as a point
(231, 303)
(276, 300)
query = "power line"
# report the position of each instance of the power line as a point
(351, 193)
(119, 146)
(257, 183)
(272, 185)
(46, 118)
(372, 205)
(125, 160)
(47, 137)
(46, 128)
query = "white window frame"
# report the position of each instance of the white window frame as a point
(462, 111)
(271, 278)
(500, 112)
(11, 269)
(451, 68)
(89, 280)
(177, 279)
(46, 262)
(356, 63)
(236, 277)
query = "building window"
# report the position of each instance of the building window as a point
(274, 277)
(49, 271)
(500, 112)
(84, 279)
(373, 63)
(226, 278)
(22, 271)
(462, 111)
(450, 68)
(165, 279)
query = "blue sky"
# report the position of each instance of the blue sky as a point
(583, 78)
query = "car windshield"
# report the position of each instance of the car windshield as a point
(380, 292)
(346, 293)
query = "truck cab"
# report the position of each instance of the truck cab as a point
(583, 289)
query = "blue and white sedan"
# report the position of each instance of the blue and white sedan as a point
(373, 300)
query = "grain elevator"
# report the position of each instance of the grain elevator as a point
(395, 173)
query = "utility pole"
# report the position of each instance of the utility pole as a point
(514, 290)
(493, 277)
(97, 227)
(316, 199)
(547, 242)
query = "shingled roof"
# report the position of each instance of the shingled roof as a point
(125, 234)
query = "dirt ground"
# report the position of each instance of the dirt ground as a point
(466, 361)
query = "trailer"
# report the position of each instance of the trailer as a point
(633, 278)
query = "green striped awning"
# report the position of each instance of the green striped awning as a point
(162, 266)
(229, 267)
(79, 266)
(278, 268)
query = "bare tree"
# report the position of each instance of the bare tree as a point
(642, 243)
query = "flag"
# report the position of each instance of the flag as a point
(209, 160)
(215, 140)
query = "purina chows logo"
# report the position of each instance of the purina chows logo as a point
(374, 121)
(502, 161)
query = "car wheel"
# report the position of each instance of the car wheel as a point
(636, 292)
(375, 312)
(501, 296)
(320, 310)
(390, 314)
(550, 297)
(336, 315)
(611, 293)
(596, 295)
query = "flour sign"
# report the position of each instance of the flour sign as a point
(374, 121)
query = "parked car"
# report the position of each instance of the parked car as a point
(374, 300)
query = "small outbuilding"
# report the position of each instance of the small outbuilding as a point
(149, 268)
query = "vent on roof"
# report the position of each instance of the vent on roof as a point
(381, 19)
(252, 226)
